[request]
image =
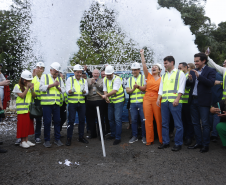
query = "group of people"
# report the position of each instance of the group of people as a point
(183, 93)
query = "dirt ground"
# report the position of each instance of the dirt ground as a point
(124, 164)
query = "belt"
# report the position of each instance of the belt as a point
(194, 97)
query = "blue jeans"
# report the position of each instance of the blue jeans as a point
(115, 119)
(38, 122)
(214, 119)
(135, 110)
(48, 111)
(166, 108)
(72, 109)
(202, 136)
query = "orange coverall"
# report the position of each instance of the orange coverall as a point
(150, 109)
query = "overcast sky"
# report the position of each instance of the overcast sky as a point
(215, 9)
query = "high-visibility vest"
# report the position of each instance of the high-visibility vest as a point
(185, 96)
(36, 83)
(52, 95)
(171, 86)
(224, 87)
(22, 105)
(137, 95)
(119, 96)
(76, 96)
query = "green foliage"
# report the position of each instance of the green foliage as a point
(102, 40)
(207, 34)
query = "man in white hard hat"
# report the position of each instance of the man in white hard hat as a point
(37, 73)
(76, 88)
(114, 96)
(51, 86)
(136, 88)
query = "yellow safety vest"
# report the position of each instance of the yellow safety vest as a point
(36, 83)
(185, 96)
(137, 95)
(224, 87)
(119, 96)
(52, 95)
(22, 105)
(171, 86)
(76, 96)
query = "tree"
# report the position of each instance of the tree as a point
(102, 40)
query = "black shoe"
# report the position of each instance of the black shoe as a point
(204, 149)
(83, 140)
(188, 142)
(2, 150)
(68, 143)
(195, 146)
(116, 142)
(213, 139)
(162, 146)
(110, 137)
(1, 143)
(176, 148)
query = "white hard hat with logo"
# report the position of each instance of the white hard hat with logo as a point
(135, 65)
(159, 65)
(109, 70)
(77, 67)
(26, 75)
(40, 64)
(56, 66)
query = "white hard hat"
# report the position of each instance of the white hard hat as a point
(135, 65)
(56, 66)
(159, 65)
(109, 70)
(40, 64)
(77, 67)
(26, 75)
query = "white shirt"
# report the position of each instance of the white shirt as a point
(212, 64)
(116, 86)
(128, 85)
(43, 87)
(68, 85)
(182, 82)
(16, 90)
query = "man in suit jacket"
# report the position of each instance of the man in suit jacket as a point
(201, 80)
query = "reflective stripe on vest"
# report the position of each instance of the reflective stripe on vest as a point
(22, 105)
(224, 87)
(119, 96)
(76, 96)
(185, 96)
(170, 91)
(52, 95)
(137, 95)
(36, 83)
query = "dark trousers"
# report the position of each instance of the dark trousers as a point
(92, 116)
(63, 115)
(38, 122)
(48, 111)
(187, 123)
(72, 109)
(106, 120)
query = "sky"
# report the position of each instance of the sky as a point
(215, 9)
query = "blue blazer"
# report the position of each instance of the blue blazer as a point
(206, 81)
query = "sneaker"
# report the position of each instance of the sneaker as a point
(47, 144)
(58, 143)
(116, 142)
(133, 139)
(24, 144)
(30, 143)
(144, 140)
(18, 141)
(38, 140)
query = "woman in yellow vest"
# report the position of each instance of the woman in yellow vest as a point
(149, 103)
(24, 91)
